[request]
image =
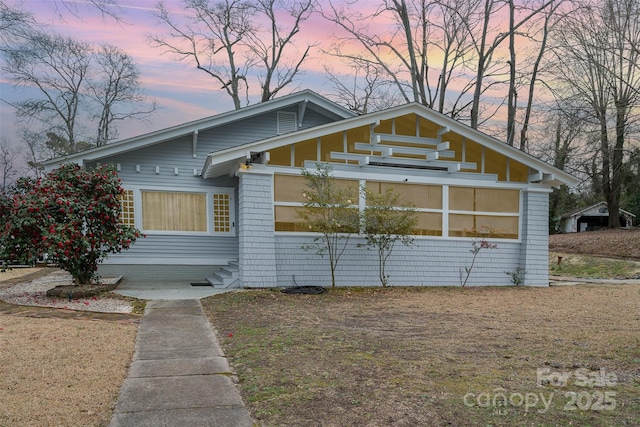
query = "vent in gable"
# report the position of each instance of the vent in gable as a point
(286, 122)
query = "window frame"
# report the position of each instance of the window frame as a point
(445, 211)
(208, 191)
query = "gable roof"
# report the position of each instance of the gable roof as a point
(579, 211)
(304, 97)
(223, 161)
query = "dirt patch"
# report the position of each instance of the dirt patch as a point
(607, 243)
(406, 357)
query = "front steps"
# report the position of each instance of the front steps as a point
(226, 277)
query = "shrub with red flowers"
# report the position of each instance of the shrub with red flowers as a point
(71, 215)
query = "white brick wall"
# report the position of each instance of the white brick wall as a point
(255, 230)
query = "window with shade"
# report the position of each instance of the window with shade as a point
(470, 212)
(175, 212)
(488, 212)
(172, 211)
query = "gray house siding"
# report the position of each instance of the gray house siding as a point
(535, 238)
(200, 253)
(429, 262)
(261, 127)
(257, 249)
(172, 165)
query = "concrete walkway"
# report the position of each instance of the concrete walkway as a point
(567, 280)
(179, 375)
(165, 289)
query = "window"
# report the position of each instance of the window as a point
(127, 216)
(221, 213)
(426, 199)
(471, 212)
(288, 197)
(210, 211)
(172, 211)
(486, 212)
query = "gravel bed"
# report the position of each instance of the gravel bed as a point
(34, 294)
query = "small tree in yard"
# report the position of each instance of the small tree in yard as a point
(384, 224)
(71, 215)
(478, 244)
(329, 210)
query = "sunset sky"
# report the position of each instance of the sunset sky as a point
(182, 92)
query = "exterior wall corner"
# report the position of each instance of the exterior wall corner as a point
(534, 249)
(257, 258)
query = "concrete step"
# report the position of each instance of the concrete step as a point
(226, 277)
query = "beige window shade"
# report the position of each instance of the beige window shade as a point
(169, 211)
(287, 219)
(280, 156)
(305, 150)
(505, 227)
(429, 224)
(289, 188)
(484, 200)
(416, 195)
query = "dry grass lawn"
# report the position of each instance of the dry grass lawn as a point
(59, 371)
(408, 357)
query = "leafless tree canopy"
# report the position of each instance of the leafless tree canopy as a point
(114, 87)
(9, 169)
(598, 75)
(235, 41)
(83, 90)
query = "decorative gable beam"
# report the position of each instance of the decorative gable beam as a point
(429, 163)
(536, 177)
(302, 108)
(383, 137)
(389, 150)
(194, 143)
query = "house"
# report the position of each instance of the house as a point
(218, 197)
(592, 217)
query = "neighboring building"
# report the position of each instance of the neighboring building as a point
(219, 195)
(594, 217)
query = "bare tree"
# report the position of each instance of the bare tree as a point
(487, 42)
(365, 91)
(15, 23)
(57, 67)
(275, 73)
(73, 80)
(227, 41)
(8, 164)
(599, 71)
(552, 16)
(213, 40)
(116, 90)
(423, 29)
(435, 43)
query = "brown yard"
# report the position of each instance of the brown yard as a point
(407, 357)
(396, 357)
(436, 356)
(59, 367)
